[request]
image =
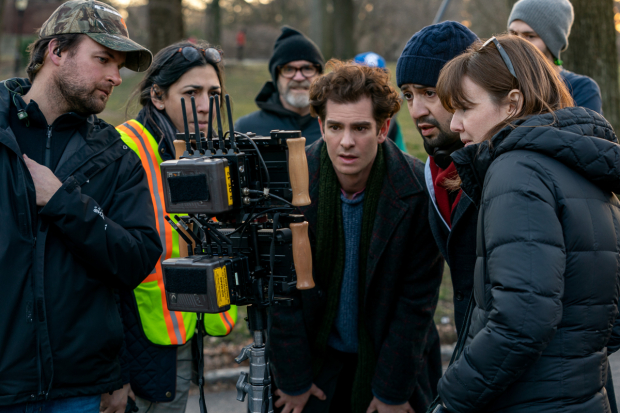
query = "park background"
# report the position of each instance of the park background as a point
(341, 28)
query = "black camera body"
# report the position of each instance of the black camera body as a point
(237, 201)
(211, 283)
(200, 185)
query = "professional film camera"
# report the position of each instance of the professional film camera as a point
(246, 245)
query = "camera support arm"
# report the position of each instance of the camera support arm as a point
(257, 384)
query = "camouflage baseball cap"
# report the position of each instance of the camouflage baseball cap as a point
(103, 24)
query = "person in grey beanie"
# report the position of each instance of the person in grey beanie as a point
(546, 24)
(284, 100)
(452, 217)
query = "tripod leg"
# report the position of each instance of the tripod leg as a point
(201, 363)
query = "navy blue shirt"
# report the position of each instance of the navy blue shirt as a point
(343, 336)
(584, 90)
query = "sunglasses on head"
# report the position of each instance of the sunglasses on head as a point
(503, 54)
(191, 54)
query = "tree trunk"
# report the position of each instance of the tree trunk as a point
(510, 3)
(592, 52)
(327, 28)
(214, 23)
(165, 23)
(344, 44)
(2, 3)
(317, 14)
(284, 12)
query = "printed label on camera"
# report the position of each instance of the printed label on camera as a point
(229, 185)
(221, 286)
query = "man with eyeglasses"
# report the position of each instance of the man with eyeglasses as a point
(284, 101)
(546, 24)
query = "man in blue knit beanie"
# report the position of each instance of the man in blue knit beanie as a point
(452, 217)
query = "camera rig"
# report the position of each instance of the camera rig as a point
(236, 196)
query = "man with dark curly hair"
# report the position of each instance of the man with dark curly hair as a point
(360, 340)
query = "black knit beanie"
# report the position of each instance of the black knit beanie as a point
(293, 45)
(429, 50)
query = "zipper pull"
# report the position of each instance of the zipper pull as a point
(48, 146)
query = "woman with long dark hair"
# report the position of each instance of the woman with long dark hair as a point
(157, 359)
(546, 284)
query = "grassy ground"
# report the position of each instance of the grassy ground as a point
(243, 82)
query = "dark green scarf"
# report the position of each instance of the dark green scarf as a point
(330, 252)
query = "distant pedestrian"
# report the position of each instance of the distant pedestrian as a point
(546, 24)
(284, 101)
(240, 44)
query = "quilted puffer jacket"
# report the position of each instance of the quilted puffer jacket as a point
(546, 278)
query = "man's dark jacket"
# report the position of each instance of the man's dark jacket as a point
(402, 284)
(272, 115)
(60, 330)
(547, 276)
(457, 245)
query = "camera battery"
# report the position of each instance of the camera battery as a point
(197, 186)
(197, 284)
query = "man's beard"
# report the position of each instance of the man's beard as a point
(295, 99)
(444, 138)
(75, 95)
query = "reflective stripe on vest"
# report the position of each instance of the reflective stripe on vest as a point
(161, 326)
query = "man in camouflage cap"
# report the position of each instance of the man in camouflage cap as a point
(103, 24)
(76, 216)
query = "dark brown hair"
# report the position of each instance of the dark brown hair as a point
(165, 71)
(38, 50)
(541, 86)
(348, 82)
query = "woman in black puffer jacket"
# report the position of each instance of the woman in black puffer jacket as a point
(546, 282)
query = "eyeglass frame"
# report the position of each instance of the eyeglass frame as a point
(502, 53)
(211, 58)
(299, 69)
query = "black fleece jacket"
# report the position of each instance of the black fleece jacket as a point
(60, 330)
(272, 115)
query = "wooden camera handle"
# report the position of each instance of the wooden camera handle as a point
(298, 171)
(302, 255)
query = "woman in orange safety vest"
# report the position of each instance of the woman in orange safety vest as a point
(157, 358)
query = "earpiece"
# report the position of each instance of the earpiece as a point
(57, 51)
(157, 91)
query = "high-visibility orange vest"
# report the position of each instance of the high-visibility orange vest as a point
(160, 325)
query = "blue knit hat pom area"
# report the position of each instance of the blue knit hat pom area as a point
(429, 50)
(293, 45)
